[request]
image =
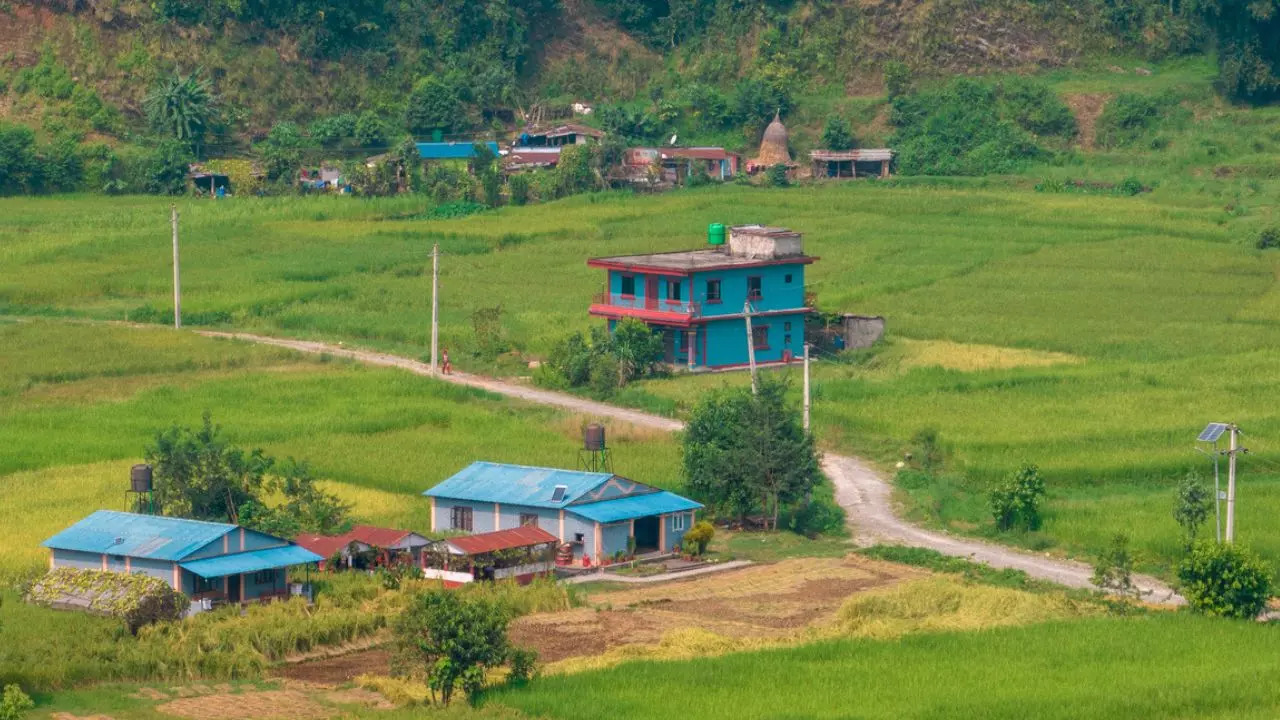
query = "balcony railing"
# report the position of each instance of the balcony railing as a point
(681, 307)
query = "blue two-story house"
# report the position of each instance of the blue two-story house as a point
(594, 513)
(698, 299)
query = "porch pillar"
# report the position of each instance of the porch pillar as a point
(497, 516)
(884, 169)
(662, 533)
(433, 514)
(599, 543)
(562, 526)
(691, 347)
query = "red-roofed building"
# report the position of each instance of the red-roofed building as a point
(521, 553)
(379, 546)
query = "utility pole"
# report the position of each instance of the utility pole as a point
(435, 305)
(751, 344)
(1217, 495)
(177, 281)
(806, 387)
(1233, 450)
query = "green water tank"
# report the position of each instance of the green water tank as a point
(715, 234)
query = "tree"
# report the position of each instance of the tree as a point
(1224, 580)
(1193, 505)
(19, 166)
(836, 134)
(281, 153)
(370, 130)
(897, 79)
(1016, 501)
(200, 475)
(699, 536)
(181, 106)
(744, 453)
(1248, 37)
(451, 640)
(637, 347)
(575, 171)
(434, 104)
(14, 703)
(1114, 571)
(519, 187)
(167, 168)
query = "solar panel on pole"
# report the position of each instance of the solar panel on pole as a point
(1212, 432)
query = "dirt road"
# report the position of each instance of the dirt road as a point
(862, 491)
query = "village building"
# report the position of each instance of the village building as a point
(594, 513)
(558, 135)
(321, 178)
(366, 545)
(697, 298)
(673, 165)
(520, 554)
(455, 150)
(774, 148)
(212, 563)
(851, 164)
(519, 159)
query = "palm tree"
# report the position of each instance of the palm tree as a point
(181, 105)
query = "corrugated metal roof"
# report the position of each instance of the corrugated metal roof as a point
(452, 150)
(864, 154)
(365, 536)
(324, 545)
(523, 536)
(635, 506)
(251, 561)
(516, 484)
(142, 536)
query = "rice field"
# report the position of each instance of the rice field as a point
(1167, 665)
(378, 437)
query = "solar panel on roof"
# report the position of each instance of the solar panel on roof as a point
(1212, 432)
(558, 493)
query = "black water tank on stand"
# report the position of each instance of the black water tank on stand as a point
(140, 478)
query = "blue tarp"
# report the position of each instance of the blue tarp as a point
(635, 506)
(251, 561)
(141, 536)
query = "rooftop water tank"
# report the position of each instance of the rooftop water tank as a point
(715, 234)
(140, 478)
(593, 437)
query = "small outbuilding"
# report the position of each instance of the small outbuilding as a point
(558, 135)
(597, 514)
(774, 148)
(212, 563)
(366, 545)
(520, 554)
(850, 164)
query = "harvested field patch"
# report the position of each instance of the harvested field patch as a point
(262, 705)
(969, 357)
(776, 602)
(359, 696)
(340, 669)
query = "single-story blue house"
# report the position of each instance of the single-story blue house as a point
(464, 150)
(594, 513)
(211, 561)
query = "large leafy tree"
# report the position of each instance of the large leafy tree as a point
(746, 453)
(1248, 36)
(182, 107)
(434, 104)
(836, 134)
(19, 164)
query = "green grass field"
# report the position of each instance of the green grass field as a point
(1166, 666)
(80, 403)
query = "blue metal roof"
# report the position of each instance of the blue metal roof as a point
(452, 150)
(251, 561)
(635, 506)
(516, 484)
(141, 536)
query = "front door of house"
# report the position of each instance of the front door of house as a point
(651, 292)
(669, 345)
(233, 589)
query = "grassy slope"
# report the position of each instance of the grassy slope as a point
(1166, 666)
(80, 404)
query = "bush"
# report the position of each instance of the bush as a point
(698, 537)
(1016, 502)
(518, 185)
(897, 79)
(14, 703)
(166, 172)
(1224, 581)
(927, 450)
(1036, 108)
(603, 379)
(1114, 570)
(1129, 117)
(958, 130)
(776, 176)
(1268, 238)
(836, 134)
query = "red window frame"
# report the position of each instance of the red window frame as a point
(758, 293)
(760, 337)
(719, 291)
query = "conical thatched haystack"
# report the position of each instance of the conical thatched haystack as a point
(773, 146)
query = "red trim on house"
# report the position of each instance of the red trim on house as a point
(655, 270)
(764, 313)
(615, 312)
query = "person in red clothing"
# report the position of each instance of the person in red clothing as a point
(445, 366)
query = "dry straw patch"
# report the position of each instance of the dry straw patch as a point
(968, 357)
(263, 705)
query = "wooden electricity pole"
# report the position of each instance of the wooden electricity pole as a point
(751, 344)
(806, 387)
(177, 281)
(435, 305)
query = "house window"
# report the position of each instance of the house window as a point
(461, 518)
(204, 585)
(528, 519)
(760, 337)
(265, 577)
(677, 522)
(673, 291)
(713, 291)
(754, 291)
(786, 326)
(628, 285)
(786, 341)
(787, 278)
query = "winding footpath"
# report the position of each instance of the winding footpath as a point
(864, 494)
